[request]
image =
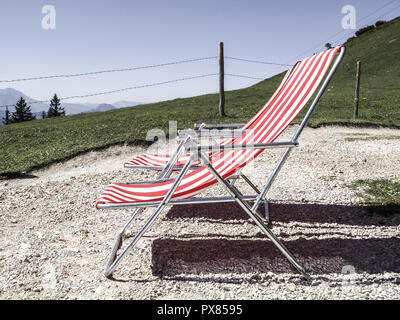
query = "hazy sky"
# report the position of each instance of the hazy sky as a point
(98, 35)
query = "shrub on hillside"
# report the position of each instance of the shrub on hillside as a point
(22, 112)
(350, 39)
(365, 29)
(379, 23)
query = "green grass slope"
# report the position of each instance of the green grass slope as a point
(36, 143)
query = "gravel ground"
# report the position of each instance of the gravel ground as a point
(54, 243)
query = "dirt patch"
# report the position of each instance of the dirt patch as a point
(54, 243)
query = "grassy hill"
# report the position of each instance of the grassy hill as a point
(36, 143)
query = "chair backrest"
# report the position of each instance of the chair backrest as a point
(255, 117)
(162, 160)
(276, 114)
(280, 110)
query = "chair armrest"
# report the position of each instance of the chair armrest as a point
(225, 133)
(150, 181)
(199, 148)
(219, 125)
(157, 168)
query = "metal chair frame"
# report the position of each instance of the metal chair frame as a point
(197, 151)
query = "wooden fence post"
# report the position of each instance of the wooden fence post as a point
(357, 92)
(221, 80)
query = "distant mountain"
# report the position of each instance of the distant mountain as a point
(124, 103)
(74, 108)
(10, 96)
(103, 107)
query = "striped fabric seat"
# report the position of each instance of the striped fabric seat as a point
(160, 161)
(280, 110)
(156, 160)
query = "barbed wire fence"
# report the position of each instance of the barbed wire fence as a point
(92, 73)
(144, 85)
(84, 74)
(343, 35)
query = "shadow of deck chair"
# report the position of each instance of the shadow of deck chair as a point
(229, 131)
(263, 130)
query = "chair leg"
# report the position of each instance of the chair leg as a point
(279, 244)
(251, 184)
(255, 217)
(265, 217)
(114, 260)
(266, 209)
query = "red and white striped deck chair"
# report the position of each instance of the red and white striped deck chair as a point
(158, 162)
(260, 134)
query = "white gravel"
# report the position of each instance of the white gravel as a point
(54, 243)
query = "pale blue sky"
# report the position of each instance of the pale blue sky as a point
(97, 35)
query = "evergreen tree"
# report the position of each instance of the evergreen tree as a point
(44, 115)
(22, 112)
(6, 119)
(55, 109)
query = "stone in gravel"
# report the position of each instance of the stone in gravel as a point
(25, 245)
(291, 286)
(308, 209)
